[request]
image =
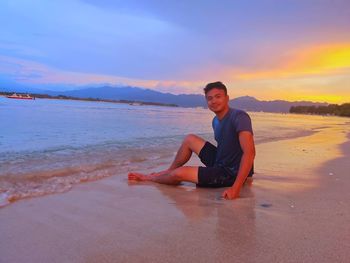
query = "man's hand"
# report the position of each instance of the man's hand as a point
(231, 193)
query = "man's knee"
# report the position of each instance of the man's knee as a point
(194, 142)
(190, 138)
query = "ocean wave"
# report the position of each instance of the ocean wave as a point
(32, 177)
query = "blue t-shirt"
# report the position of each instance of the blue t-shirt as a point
(226, 131)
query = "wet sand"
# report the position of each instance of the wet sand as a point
(297, 210)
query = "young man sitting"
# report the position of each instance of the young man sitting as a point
(228, 164)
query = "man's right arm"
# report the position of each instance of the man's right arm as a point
(247, 144)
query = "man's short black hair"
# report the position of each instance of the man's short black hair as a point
(215, 85)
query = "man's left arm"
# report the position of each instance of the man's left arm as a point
(246, 141)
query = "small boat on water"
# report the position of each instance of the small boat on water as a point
(21, 96)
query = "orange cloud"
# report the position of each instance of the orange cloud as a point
(316, 60)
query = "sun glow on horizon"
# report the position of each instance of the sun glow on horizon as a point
(316, 60)
(309, 75)
(293, 97)
(319, 73)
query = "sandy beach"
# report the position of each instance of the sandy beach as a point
(297, 210)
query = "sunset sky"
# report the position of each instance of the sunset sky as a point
(269, 49)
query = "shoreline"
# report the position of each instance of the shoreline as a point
(294, 212)
(8, 198)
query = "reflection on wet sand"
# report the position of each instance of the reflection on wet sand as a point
(226, 225)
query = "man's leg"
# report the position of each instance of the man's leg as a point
(191, 143)
(173, 177)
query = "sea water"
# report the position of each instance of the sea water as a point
(47, 146)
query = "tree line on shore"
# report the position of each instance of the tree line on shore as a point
(332, 109)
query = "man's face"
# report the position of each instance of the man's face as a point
(217, 100)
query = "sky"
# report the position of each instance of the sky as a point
(269, 49)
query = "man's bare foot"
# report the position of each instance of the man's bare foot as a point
(137, 177)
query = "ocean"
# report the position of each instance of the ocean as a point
(48, 146)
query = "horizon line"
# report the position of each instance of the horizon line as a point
(260, 100)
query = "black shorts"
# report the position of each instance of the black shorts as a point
(211, 176)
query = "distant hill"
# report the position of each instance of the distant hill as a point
(184, 100)
(138, 94)
(252, 104)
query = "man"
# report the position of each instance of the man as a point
(227, 165)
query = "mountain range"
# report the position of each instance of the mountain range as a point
(183, 100)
